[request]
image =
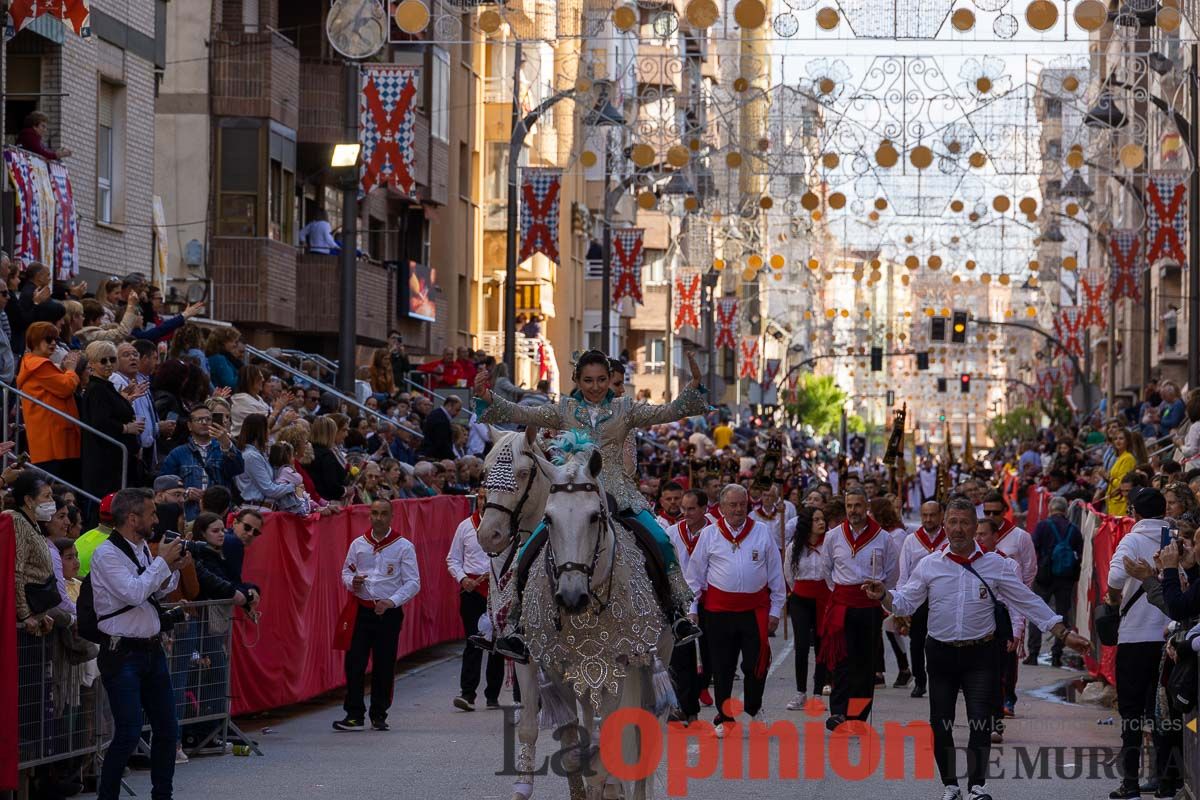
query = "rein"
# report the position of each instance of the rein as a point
(514, 520)
(555, 571)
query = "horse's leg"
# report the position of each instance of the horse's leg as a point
(527, 731)
(570, 741)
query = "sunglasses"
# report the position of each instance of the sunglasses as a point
(248, 528)
(994, 512)
(107, 360)
(50, 340)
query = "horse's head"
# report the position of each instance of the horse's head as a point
(516, 490)
(577, 522)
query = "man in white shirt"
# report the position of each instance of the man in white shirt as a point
(126, 374)
(669, 505)
(381, 574)
(126, 586)
(470, 567)
(736, 574)
(855, 551)
(962, 630)
(684, 536)
(774, 512)
(929, 538)
(1016, 542)
(1140, 640)
(927, 480)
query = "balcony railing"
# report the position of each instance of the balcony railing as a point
(255, 75)
(317, 279)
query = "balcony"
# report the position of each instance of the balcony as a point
(659, 66)
(322, 103)
(256, 75)
(317, 280)
(255, 282)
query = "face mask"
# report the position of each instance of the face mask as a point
(45, 511)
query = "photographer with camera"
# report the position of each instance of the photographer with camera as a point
(127, 584)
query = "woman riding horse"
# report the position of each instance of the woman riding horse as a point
(608, 420)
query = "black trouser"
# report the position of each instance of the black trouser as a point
(471, 606)
(375, 636)
(1059, 595)
(897, 651)
(706, 667)
(854, 677)
(687, 680)
(971, 670)
(1137, 682)
(729, 634)
(803, 613)
(917, 632)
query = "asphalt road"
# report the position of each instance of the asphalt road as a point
(435, 751)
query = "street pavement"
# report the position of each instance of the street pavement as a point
(436, 751)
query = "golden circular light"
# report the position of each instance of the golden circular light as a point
(970, 264)
(1031, 311)
(778, 276)
(1034, 265)
(845, 312)
(678, 156)
(1008, 312)
(945, 312)
(691, 204)
(702, 13)
(956, 206)
(827, 276)
(733, 160)
(983, 84)
(985, 278)
(955, 279)
(1069, 263)
(876, 276)
(866, 313)
(1027, 205)
(876, 263)
(587, 158)
(642, 155)
(808, 314)
(828, 18)
(813, 264)
(1091, 15)
(1041, 15)
(1070, 83)
(765, 202)
(694, 144)
(921, 156)
(625, 17)
(886, 155)
(1168, 19)
(412, 16)
(830, 160)
(935, 262)
(750, 14)
(817, 215)
(929, 312)
(1001, 203)
(977, 160)
(1132, 155)
(912, 262)
(827, 85)
(954, 147)
(1072, 209)
(1075, 159)
(718, 264)
(830, 313)
(837, 200)
(963, 19)
(908, 239)
(489, 22)
(1033, 282)
(748, 275)
(904, 279)
(647, 201)
(809, 201)
(873, 216)
(755, 261)
(740, 85)
(973, 217)
(1004, 280)
(777, 261)
(880, 203)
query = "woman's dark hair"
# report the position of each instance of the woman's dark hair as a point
(589, 358)
(281, 455)
(171, 377)
(804, 523)
(27, 484)
(247, 377)
(615, 366)
(73, 515)
(202, 522)
(254, 431)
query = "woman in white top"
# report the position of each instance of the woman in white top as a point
(810, 589)
(883, 511)
(1190, 444)
(247, 398)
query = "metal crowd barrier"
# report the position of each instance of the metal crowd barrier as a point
(62, 709)
(1191, 754)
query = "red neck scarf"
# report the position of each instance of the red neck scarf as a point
(964, 560)
(672, 518)
(762, 511)
(1006, 528)
(392, 537)
(930, 545)
(865, 539)
(685, 534)
(735, 539)
(475, 517)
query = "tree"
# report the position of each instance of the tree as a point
(819, 403)
(1018, 424)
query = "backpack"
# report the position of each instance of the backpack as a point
(1063, 559)
(85, 606)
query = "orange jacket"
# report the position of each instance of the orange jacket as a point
(50, 436)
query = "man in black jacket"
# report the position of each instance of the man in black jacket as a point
(439, 431)
(1056, 586)
(399, 361)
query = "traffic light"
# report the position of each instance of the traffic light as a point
(922, 361)
(941, 417)
(942, 385)
(876, 359)
(958, 333)
(937, 329)
(965, 381)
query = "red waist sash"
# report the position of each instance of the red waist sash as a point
(817, 591)
(481, 583)
(833, 640)
(717, 600)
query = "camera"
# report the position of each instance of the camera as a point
(168, 618)
(194, 549)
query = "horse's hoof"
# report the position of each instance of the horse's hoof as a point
(522, 791)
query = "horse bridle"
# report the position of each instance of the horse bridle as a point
(514, 518)
(558, 570)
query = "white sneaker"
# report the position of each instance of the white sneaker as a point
(952, 793)
(980, 793)
(180, 756)
(797, 703)
(826, 690)
(761, 717)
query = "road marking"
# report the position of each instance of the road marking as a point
(780, 658)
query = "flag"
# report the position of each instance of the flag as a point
(769, 372)
(386, 123)
(540, 190)
(1166, 216)
(1091, 287)
(75, 14)
(627, 271)
(687, 299)
(1068, 323)
(748, 358)
(727, 309)
(1127, 264)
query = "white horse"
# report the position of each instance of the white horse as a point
(591, 617)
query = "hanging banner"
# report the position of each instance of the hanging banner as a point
(1166, 216)
(1127, 264)
(45, 225)
(161, 251)
(385, 125)
(769, 372)
(687, 299)
(627, 269)
(1068, 324)
(75, 14)
(727, 309)
(540, 190)
(1091, 287)
(748, 358)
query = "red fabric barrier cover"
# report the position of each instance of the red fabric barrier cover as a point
(8, 656)
(1109, 531)
(298, 564)
(1038, 507)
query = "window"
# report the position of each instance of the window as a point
(529, 298)
(282, 189)
(238, 204)
(1053, 108)
(256, 181)
(110, 129)
(654, 268)
(376, 238)
(464, 170)
(439, 96)
(655, 351)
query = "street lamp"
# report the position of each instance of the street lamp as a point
(344, 164)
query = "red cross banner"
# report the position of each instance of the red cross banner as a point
(75, 14)
(386, 126)
(1068, 324)
(540, 190)
(1166, 216)
(627, 269)
(1127, 264)
(687, 299)
(770, 371)
(727, 309)
(748, 358)
(1091, 287)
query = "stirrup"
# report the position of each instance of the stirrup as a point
(685, 631)
(513, 647)
(482, 642)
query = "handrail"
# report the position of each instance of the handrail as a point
(642, 437)
(6, 388)
(426, 390)
(320, 361)
(263, 356)
(52, 478)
